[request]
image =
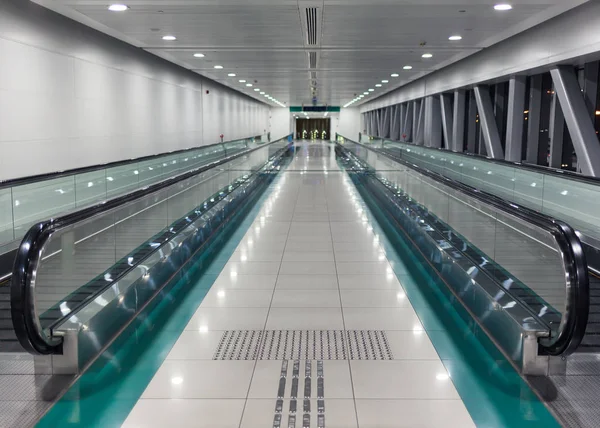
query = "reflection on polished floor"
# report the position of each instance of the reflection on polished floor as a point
(307, 325)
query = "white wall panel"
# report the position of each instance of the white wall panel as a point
(281, 123)
(348, 123)
(71, 97)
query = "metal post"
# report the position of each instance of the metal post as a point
(408, 123)
(578, 120)
(433, 122)
(419, 135)
(533, 119)
(472, 124)
(499, 108)
(458, 123)
(386, 122)
(557, 131)
(488, 122)
(590, 87)
(446, 115)
(514, 122)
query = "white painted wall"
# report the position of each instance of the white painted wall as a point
(347, 123)
(280, 122)
(72, 97)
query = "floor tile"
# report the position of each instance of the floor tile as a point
(408, 379)
(374, 299)
(305, 319)
(308, 256)
(246, 282)
(412, 413)
(310, 217)
(220, 298)
(208, 319)
(307, 282)
(185, 413)
(201, 379)
(368, 282)
(256, 256)
(338, 414)
(306, 299)
(368, 255)
(411, 345)
(307, 268)
(381, 319)
(195, 345)
(336, 376)
(364, 268)
(251, 268)
(294, 245)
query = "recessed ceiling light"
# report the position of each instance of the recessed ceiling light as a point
(169, 38)
(242, 81)
(256, 89)
(118, 7)
(395, 75)
(407, 67)
(231, 74)
(503, 6)
(262, 93)
(199, 55)
(378, 85)
(371, 90)
(427, 55)
(384, 81)
(455, 38)
(249, 85)
(365, 93)
(218, 67)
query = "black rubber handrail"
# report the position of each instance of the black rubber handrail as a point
(22, 295)
(574, 320)
(524, 165)
(58, 174)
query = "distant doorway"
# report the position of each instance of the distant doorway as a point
(313, 129)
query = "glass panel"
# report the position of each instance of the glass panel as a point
(40, 201)
(6, 219)
(122, 179)
(90, 187)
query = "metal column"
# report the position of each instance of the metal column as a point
(590, 87)
(557, 131)
(514, 121)
(447, 122)
(408, 123)
(433, 122)
(472, 124)
(419, 115)
(387, 112)
(533, 119)
(488, 122)
(578, 120)
(458, 122)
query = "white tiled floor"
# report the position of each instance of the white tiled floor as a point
(310, 261)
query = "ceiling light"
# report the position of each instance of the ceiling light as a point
(199, 55)
(503, 6)
(169, 38)
(218, 67)
(427, 55)
(262, 93)
(242, 81)
(118, 7)
(231, 74)
(395, 75)
(249, 85)
(455, 38)
(407, 67)
(378, 85)
(365, 93)
(371, 90)
(384, 81)
(256, 89)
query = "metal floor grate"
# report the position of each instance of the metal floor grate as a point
(303, 345)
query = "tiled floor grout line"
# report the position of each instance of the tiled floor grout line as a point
(267, 317)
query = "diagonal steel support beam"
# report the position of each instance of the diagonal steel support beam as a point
(534, 118)
(408, 123)
(387, 112)
(433, 122)
(420, 119)
(458, 122)
(514, 121)
(489, 129)
(578, 119)
(447, 113)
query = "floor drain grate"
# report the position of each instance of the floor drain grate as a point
(368, 345)
(239, 345)
(303, 345)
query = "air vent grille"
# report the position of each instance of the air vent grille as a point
(311, 25)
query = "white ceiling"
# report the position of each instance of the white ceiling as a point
(359, 42)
